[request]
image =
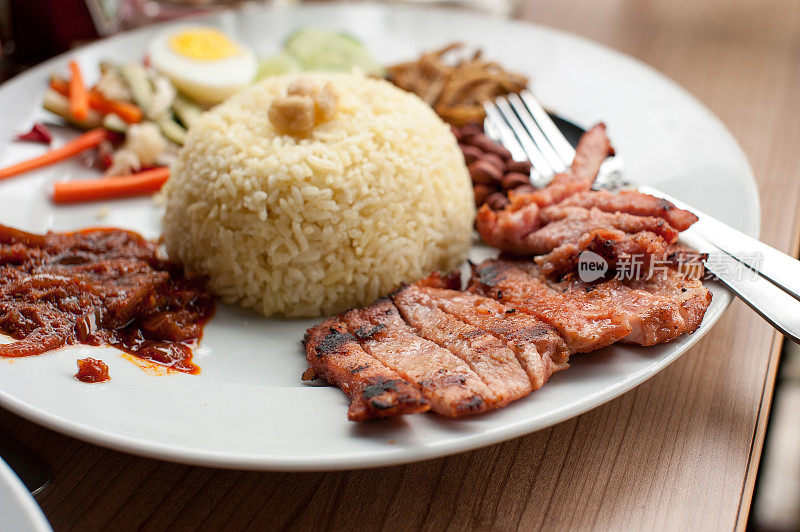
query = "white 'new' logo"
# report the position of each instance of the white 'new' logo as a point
(591, 266)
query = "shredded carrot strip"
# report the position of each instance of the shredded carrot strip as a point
(78, 95)
(127, 111)
(139, 184)
(60, 85)
(84, 142)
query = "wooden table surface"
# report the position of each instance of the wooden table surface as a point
(680, 451)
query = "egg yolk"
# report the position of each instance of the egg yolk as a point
(203, 44)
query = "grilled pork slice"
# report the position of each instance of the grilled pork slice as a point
(506, 229)
(494, 363)
(661, 303)
(652, 318)
(686, 291)
(569, 224)
(687, 261)
(375, 390)
(539, 349)
(633, 202)
(593, 148)
(654, 308)
(612, 245)
(446, 381)
(584, 324)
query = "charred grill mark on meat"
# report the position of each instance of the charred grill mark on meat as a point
(374, 389)
(332, 342)
(585, 325)
(494, 363)
(449, 384)
(365, 333)
(612, 245)
(538, 348)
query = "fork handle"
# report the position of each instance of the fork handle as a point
(777, 307)
(778, 267)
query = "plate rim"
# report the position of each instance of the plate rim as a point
(24, 500)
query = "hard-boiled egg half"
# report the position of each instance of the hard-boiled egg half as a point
(202, 62)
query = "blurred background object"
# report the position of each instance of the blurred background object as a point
(31, 32)
(776, 507)
(496, 7)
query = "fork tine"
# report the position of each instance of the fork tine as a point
(531, 150)
(539, 137)
(551, 132)
(509, 140)
(499, 131)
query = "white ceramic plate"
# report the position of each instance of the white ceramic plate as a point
(18, 508)
(248, 407)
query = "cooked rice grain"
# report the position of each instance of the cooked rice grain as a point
(375, 197)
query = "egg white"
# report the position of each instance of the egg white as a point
(208, 82)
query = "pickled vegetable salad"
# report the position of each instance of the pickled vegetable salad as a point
(137, 114)
(136, 102)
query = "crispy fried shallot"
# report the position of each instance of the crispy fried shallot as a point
(456, 86)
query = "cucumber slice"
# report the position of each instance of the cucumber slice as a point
(277, 64)
(115, 123)
(186, 111)
(172, 130)
(59, 105)
(318, 49)
(138, 82)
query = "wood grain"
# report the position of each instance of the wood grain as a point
(680, 451)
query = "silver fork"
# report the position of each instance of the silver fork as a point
(742, 263)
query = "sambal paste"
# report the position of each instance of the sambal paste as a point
(99, 287)
(91, 370)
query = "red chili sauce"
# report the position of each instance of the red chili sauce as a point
(99, 287)
(91, 370)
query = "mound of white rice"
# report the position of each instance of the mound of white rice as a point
(377, 196)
